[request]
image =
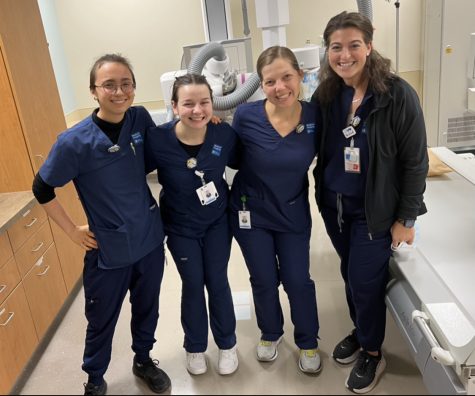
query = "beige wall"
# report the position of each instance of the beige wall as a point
(152, 33)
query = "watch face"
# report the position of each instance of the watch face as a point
(409, 223)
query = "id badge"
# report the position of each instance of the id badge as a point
(352, 160)
(349, 132)
(207, 193)
(244, 219)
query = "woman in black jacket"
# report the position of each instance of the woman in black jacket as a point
(370, 179)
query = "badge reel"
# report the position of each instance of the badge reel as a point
(352, 153)
(244, 215)
(207, 193)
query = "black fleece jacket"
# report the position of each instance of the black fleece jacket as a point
(398, 160)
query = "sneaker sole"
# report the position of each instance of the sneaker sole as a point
(348, 360)
(377, 375)
(273, 357)
(228, 372)
(197, 372)
(307, 371)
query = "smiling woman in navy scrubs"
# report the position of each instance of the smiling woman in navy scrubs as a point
(270, 212)
(104, 157)
(190, 155)
(369, 179)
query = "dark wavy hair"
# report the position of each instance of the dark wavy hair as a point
(377, 68)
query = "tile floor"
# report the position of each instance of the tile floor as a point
(58, 369)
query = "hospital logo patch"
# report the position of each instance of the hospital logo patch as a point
(311, 127)
(216, 150)
(137, 138)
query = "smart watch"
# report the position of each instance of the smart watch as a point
(408, 223)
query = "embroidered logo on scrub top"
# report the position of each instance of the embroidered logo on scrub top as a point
(363, 130)
(310, 127)
(216, 150)
(137, 138)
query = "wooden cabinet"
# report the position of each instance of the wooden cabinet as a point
(18, 337)
(32, 288)
(31, 117)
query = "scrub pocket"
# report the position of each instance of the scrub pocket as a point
(298, 210)
(114, 247)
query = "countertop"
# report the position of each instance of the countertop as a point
(13, 205)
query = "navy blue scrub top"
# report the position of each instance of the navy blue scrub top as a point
(273, 169)
(112, 186)
(334, 176)
(181, 208)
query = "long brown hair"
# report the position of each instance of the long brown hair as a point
(377, 68)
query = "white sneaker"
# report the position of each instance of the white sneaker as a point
(309, 361)
(267, 350)
(196, 363)
(228, 361)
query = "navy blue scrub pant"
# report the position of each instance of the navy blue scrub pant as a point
(104, 292)
(203, 263)
(274, 257)
(364, 268)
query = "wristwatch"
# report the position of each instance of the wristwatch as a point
(408, 223)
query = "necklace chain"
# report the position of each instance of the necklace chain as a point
(355, 100)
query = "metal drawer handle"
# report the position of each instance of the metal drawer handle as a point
(38, 247)
(12, 314)
(437, 353)
(2, 288)
(32, 222)
(44, 272)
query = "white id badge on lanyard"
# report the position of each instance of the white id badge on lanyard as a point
(207, 193)
(244, 219)
(352, 159)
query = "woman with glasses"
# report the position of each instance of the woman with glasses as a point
(104, 157)
(190, 155)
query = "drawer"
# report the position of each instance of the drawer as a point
(29, 222)
(18, 338)
(33, 249)
(5, 249)
(45, 290)
(9, 279)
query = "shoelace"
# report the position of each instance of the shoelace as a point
(364, 361)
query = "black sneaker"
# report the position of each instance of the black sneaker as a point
(92, 389)
(346, 351)
(156, 379)
(366, 372)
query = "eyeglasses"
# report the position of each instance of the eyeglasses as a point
(112, 88)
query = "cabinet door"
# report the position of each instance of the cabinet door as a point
(9, 279)
(31, 76)
(5, 249)
(18, 338)
(71, 255)
(45, 290)
(16, 172)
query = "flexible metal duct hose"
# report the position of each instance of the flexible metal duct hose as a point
(365, 8)
(243, 93)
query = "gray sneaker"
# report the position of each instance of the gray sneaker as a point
(309, 361)
(267, 350)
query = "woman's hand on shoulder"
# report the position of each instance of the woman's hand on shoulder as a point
(215, 120)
